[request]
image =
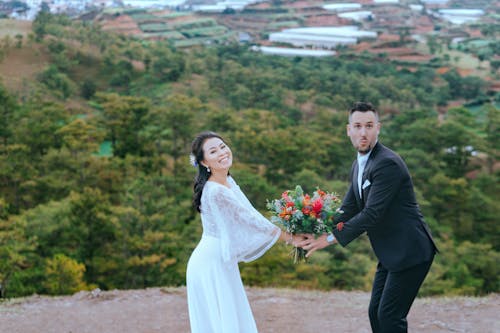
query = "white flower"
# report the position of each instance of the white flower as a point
(192, 160)
(298, 214)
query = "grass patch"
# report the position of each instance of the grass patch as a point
(197, 23)
(284, 24)
(154, 27)
(9, 27)
(164, 34)
(205, 32)
(144, 17)
(175, 15)
(480, 111)
(105, 149)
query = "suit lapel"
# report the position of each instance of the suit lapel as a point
(366, 171)
(364, 177)
(355, 184)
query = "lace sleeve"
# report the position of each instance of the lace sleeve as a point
(245, 234)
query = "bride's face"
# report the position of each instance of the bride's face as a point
(217, 155)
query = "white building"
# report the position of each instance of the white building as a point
(416, 8)
(340, 7)
(357, 16)
(321, 37)
(385, 1)
(435, 2)
(292, 52)
(460, 16)
(153, 3)
(220, 6)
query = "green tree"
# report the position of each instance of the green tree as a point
(463, 268)
(19, 40)
(252, 124)
(167, 64)
(15, 249)
(94, 234)
(88, 88)
(123, 118)
(485, 193)
(57, 81)
(16, 174)
(122, 74)
(473, 87)
(40, 23)
(450, 204)
(64, 275)
(37, 126)
(492, 131)
(460, 139)
(173, 124)
(8, 108)
(172, 128)
(80, 137)
(494, 65)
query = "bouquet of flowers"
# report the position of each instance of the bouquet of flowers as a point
(301, 213)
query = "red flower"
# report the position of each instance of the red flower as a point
(340, 226)
(317, 205)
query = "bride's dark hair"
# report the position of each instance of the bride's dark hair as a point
(203, 173)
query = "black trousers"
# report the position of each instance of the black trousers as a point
(393, 294)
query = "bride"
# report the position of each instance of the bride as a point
(233, 231)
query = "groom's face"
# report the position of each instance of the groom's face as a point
(363, 129)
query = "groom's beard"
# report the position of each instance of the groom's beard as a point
(365, 151)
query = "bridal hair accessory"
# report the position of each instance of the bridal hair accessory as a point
(192, 160)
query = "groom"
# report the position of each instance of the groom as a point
(381, 202)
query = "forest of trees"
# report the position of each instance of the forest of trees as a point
(76, 216)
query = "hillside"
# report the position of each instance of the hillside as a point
(276, 310)
(96, 129)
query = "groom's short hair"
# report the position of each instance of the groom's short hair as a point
(363, 107)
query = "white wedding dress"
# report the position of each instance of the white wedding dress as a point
(233, 231)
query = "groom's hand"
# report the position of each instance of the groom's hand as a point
(311, 244)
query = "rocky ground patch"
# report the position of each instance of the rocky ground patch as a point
(276, 310)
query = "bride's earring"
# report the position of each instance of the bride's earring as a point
(208, 169)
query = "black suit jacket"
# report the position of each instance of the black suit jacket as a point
(387, 211)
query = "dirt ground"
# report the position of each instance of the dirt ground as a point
(276, 310)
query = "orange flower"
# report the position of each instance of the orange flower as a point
(307, 200)
(340, 226)
(283, 213)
